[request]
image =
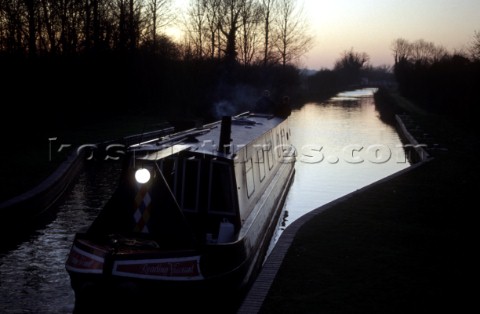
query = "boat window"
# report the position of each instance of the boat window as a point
(191, 183)
(261, 164)
(269, 152)
(284, 143)
(277, 144)
(249, 177)
(221, 188)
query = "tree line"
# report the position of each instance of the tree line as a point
(65, 27)
(243, 31)
(74, 61)
(248, 31)
(441, 81)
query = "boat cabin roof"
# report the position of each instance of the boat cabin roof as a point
(245, 129)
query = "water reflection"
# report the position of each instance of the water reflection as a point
(342, 145)
(33, 277)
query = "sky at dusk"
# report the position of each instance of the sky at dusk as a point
(372, 25)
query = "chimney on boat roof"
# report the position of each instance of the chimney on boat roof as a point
(225, 134)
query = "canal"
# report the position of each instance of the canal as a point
(342, 145)
(33, 278)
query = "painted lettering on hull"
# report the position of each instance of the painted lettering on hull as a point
(160, 269)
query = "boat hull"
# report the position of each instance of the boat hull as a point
(194, 233)
(129, 278)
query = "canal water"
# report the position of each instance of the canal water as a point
(33, 278)
(341, 145)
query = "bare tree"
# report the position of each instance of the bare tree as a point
(268, 14)
(419, 51)
(12, 29)
(159, 14)
(249, 41)
(95, 20)
(53, 27)
(128, 23)
(213, 27)
(134, 23)
(292, 40)
(230, 23)
(195, 26)
(352, 60)
(475, 48)
(204, 18)
(402, 50)
(350, 65)
(424, 52)
(31, 6)
(71, 24)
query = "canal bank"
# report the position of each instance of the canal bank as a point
(397, 246)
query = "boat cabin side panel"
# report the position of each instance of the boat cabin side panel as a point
(257, 163)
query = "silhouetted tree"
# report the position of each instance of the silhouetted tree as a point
(268, 14)
(159, 14)
(230, 23)
(11, 30)
(349, 66)
(475, 48)
(213, 27)
(249, 42)
(92, 29)
(231, 28)
(203, 21)
(427, 52)
(402, 50)
(195, 26)
(292, 39)
(419, 51)
(31, 6)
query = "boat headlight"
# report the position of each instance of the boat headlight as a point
(142, 175)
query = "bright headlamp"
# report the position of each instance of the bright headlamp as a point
(142, 175)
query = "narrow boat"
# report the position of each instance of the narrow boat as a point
(193, 211)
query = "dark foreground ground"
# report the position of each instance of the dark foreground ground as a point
(404, 246)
